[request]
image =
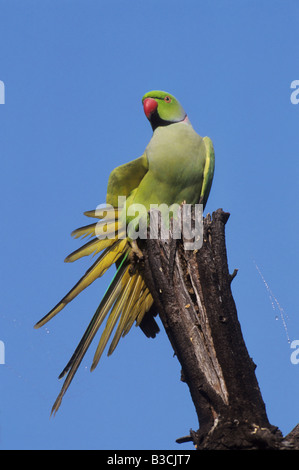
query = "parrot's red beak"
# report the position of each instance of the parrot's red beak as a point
(149, 106)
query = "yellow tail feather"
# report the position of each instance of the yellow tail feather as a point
(146, 304)
(105, 260)
(109, 299)
(107, 213)
(125, 314)
(112, 319)
(100, 228)
(139, 293)
(93, 247)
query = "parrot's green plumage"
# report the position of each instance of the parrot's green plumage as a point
(177, 166)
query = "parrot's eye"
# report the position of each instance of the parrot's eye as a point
(167, 99)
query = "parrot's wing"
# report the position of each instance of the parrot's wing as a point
(125, 178)
(122, 181)
(127, 298)
(208, 171)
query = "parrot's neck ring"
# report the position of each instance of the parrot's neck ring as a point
(157, 121)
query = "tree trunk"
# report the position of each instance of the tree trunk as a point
(192, 293)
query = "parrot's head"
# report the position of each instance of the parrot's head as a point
(162, 108)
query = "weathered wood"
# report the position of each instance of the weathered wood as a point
(192, 293)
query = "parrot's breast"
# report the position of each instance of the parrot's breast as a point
(176, 158)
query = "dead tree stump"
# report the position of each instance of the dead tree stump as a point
(192, 293)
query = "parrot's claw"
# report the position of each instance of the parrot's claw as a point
(136, 250)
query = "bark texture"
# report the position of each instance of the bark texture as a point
(192, 293)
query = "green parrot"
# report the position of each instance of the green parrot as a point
(177, 166)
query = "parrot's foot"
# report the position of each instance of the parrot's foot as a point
(136, 250)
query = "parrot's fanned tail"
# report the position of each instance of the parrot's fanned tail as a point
(112, 294)
(127, 299)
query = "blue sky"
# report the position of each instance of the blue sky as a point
(74, 74)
